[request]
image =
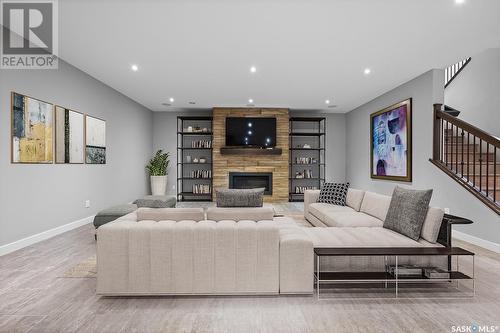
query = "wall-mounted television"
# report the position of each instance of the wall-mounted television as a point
(251, 132)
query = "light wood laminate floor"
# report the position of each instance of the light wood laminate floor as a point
(35, 298)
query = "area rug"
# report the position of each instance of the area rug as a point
(85, 269)
(88, 267)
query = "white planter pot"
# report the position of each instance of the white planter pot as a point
(158, 185)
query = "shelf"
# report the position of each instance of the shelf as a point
(308, 164)
(194, 118)
(191, 163)
(189, 148)
(306, 134)
(384, 276)
(195, 133)
(250, 151)
(196, 194)
(314, 178)
(312, 149)
(308, 119)
(191, 178)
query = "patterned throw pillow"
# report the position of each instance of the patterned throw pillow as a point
(334, 193)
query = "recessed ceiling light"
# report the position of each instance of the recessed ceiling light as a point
(327, 102)
(171, 99)
(250, 101)
(135, 68)
(253, 69)
(367, 71)
(459, 2)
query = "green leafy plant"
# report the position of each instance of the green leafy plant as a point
(158, 164)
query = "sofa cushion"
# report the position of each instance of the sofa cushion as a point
(407, 211)
(361, 237)
(170, 214)
(240, 213)
(354, 219)
(375, 205)
(354, 198)
(240, 197)
(333, 193)
(432, 224)
(324, 212)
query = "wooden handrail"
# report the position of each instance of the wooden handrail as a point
(468, 155)
(485, 136)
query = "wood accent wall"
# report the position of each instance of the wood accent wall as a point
(277, 164)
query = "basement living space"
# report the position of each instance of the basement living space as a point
(250, 166)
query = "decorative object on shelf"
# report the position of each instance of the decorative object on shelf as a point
(205, 130)
(306, 146)
(390, 143)
(203, 160)
(157, 168)
(195, 160)
(32, 127)
(95, 140)
(189, 129)
(305, 160)
(69, 136)
(188, 159)
(201, 174)
(436, 273)
(405, 270)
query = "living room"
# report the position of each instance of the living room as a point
(250, 166)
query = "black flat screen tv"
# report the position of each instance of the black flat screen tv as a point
(251, 132)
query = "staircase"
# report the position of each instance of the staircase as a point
(452, 71)
(468, 155)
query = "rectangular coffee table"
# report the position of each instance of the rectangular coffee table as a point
(387, 277)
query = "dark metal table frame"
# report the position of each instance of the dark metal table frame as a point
(386, 277)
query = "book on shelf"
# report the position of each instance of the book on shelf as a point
(436, 273)
(406, 270)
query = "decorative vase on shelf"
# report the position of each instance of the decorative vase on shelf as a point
(158, 185)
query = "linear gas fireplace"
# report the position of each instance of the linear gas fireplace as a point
(245, 180)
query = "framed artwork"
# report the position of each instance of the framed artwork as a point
(69, 128)
(390, 142)
(95, 140)
(32, 130)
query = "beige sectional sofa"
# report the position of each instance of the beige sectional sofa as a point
(178, 251)
(360, 224)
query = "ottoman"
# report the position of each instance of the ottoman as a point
(112, 213)
(156, 201)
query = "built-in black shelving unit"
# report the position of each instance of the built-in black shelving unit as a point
(194, 176)
(307, 163)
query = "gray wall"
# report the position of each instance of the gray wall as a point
(165, 128)
(476, 92)
(424, 90)
(35, 198)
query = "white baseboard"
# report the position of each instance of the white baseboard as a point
(477, 241)
(14, 246)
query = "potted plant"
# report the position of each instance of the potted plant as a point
(157, 168)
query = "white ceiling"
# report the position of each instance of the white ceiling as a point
(306, 51)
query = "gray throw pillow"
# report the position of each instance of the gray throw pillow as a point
(407, 211)
(240, 197)
(156, 201)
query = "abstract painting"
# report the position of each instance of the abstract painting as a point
(32, 127)
(95, 140)
(390, 140)
(69, 136)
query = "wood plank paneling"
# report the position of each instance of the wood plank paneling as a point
(277, 164)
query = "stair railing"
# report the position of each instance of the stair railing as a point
(452, 71)
(469, 155)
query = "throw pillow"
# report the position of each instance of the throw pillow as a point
(334, 193)
(240, 197)
(407, 211)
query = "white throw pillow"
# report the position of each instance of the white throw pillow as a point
(354, 198)
(432, 224)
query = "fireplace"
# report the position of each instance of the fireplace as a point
(244, 180)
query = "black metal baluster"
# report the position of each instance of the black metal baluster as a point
(462, 161)
(487, 171)
(481, 165)
(474, 161)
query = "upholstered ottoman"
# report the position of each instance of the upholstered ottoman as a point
(112, 213)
